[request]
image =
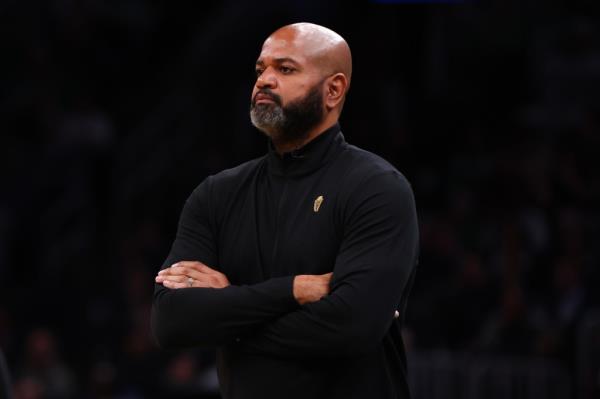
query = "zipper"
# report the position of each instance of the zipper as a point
(277, 222)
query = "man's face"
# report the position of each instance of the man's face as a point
(287, 99)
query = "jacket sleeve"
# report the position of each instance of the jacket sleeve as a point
(372, 271)
(205, 316)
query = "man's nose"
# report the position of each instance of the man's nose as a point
(266, 79)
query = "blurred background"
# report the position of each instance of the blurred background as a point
(112, 112)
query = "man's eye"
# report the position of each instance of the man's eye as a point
(286, 70)
(259, 72)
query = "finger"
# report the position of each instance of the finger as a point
(173, 271)
(198, 280)
(179, 270)
(169, 271)
(177, 282)
(173, 279)
(192, 269)
(173, 285)
(199, 266)
(209, 280)
(189, 272)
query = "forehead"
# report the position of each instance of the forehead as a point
(284, 47)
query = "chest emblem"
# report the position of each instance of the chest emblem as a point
(317, 203)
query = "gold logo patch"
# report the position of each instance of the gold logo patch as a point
(318, 203)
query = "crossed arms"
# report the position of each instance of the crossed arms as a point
(307, 288)
(344, 313)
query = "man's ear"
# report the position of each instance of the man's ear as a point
(335, 90)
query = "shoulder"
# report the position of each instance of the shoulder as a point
(366, 171)
(238, 173)
(228, 179)
(373, 189)
(215, 191)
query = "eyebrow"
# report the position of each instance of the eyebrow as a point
(278, 61)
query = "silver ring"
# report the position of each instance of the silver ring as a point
(190, 282)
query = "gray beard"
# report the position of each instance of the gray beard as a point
(269, 119)
(292, 123)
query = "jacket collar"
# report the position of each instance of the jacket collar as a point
(308, 158)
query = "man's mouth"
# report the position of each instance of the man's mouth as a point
(263, 98)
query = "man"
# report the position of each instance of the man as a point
(293, 265)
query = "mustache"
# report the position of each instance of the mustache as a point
(268, 93)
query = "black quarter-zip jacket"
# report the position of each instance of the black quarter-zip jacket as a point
(328, 206)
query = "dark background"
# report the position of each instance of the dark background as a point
(113, 111)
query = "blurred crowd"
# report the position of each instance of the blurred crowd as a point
(112, 112)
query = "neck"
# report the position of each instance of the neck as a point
(283, 146)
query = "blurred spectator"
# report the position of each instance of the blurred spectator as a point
(43, 372)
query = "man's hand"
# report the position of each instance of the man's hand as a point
(311, 287)
(188, 274)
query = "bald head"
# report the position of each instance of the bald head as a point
(320, 45)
